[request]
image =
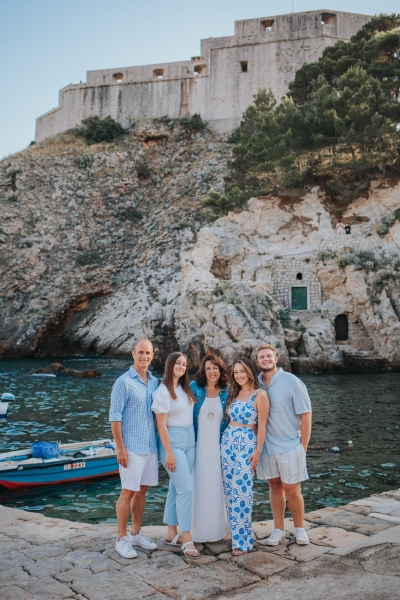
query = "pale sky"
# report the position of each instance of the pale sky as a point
(47, 44)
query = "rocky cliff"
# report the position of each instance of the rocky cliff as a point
(101, 245)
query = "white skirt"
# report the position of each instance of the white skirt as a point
(209, 520)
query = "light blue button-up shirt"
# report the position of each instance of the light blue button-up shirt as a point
(131, 402)
(289, 399)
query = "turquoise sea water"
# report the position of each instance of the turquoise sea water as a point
(359, 407)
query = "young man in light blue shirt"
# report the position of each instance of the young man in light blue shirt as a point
(133, 428)
(283, 460)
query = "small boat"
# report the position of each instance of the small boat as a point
(43, 374)
(4, 405)
(3, 409)
(76, 462)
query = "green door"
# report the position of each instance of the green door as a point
(299, 298)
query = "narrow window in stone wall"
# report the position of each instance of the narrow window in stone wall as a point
(244, 65)
(299, 276)
(199, 69)
(158, 73)
(267, 25)
(328, 19)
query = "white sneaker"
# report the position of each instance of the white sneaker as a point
(142, 540)
(124, 548)
(275, 538)
(300, 536)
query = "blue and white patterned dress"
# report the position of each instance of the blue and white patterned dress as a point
(237, 446)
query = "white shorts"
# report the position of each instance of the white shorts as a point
(290, 466)
(142, 469)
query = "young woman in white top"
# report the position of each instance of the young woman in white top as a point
(173, 405)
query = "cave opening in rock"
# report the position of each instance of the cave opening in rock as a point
(341, 328)
(221, 268)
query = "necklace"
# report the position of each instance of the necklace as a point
(210, 414)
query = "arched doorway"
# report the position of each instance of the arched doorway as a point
(341, 328)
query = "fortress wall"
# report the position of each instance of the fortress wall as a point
(219, 84)
(176, 70)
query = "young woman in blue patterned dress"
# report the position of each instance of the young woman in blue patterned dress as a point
(241, 449)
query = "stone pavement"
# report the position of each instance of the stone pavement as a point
(354, 553)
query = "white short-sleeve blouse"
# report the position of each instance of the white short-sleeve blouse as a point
(179, 411)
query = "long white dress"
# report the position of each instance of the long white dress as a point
(208, 521)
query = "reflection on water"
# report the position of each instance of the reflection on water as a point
(362, 408)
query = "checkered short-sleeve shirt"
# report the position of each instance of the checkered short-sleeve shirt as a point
(131, 401)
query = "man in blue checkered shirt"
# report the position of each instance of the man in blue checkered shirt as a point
(133, 428)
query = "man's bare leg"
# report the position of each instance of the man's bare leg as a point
(278, 502)
(138, 502)
(123, 510)
(295, 502)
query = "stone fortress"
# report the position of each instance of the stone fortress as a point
(219, 84)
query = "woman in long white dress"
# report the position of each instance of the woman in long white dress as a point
(209, 420)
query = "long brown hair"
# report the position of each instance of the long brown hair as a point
(200, 376)
(234, 387)
(183, 381)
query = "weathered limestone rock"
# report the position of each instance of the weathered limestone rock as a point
(334, 517)
(303, 553)
(262, 564)
(131, 259)
(199, 582)
(334, 536)
(325, 577)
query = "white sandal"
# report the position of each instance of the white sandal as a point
(174, 541)
(185, 550)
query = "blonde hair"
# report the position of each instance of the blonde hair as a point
(264, 347)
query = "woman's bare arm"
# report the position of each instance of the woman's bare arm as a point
(170, 461)
(261, 404)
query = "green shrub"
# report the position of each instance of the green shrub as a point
(88, 258)
(360, 258)
(95, 130)
(13, 178)
(346, 258)
(130, 214)
(388, 220)
(369, 265)
(85, 160)
(142, 169)
(325, 254)
(221, 204)
(193, 123)
(284, 317)
(382, 275)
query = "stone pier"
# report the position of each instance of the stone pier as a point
(354, 553)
